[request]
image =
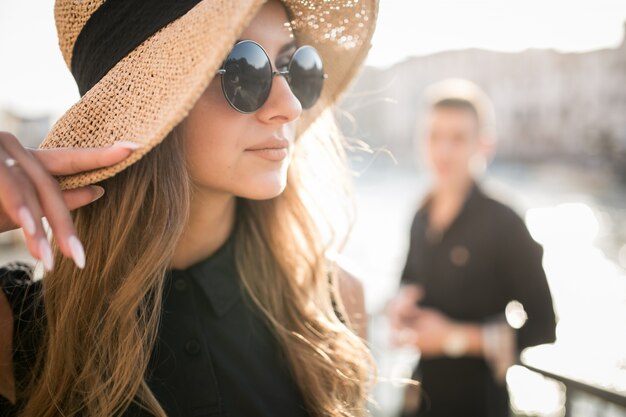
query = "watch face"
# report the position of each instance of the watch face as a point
(455, 344)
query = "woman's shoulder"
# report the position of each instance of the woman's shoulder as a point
(23, 291)
(17, 273)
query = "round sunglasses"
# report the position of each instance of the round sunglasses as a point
(247, 76)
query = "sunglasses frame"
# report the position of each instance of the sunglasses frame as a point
(285, 73)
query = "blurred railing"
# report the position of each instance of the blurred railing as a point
(595, 385)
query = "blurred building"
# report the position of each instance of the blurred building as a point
(548, 103)
(29, 130)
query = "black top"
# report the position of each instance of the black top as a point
(215, 354)
(482, 261)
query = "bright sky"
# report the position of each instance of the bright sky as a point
(34, 79)
(426, 27)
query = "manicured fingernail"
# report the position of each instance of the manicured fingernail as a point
(77, 251)
(127, 144)
(46, 253)
(99, 192)
(28, 223)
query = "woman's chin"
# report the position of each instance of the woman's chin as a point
(264, 190)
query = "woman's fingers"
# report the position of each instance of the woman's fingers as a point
(19, 202)
(66, 161)
(28, 191)
(75, 198)
(47, 201)
(82, 196)
(30, 214)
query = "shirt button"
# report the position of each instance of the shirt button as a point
(180, 284)
(192, 347)
(459, 255)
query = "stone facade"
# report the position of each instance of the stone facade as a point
(547, 103)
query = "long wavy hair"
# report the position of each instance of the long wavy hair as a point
(101, 322)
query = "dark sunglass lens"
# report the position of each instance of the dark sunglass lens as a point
(247, 78)
(306, 76)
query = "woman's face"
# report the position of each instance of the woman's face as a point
(246, 155)
(452, 141)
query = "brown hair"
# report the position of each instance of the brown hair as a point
(102, 321)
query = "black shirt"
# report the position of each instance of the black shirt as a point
(215, 355)
(482, 261)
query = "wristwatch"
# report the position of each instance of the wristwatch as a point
(455, 343)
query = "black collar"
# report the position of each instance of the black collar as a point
(217, 276)
(474, 194)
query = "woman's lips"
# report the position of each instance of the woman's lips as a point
(274, 149)
(272, 154)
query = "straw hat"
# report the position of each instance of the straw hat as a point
(140, 65)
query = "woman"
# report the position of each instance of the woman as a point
(192, 279)
(470, 259)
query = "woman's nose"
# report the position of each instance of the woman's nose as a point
(282, 106)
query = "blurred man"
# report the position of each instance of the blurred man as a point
(470, 258)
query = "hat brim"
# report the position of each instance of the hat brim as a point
(153, 88)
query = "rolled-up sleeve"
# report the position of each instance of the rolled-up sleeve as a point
(521, 266)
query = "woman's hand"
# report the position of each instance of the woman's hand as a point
(28, 191)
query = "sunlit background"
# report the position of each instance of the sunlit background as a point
(556, 70)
